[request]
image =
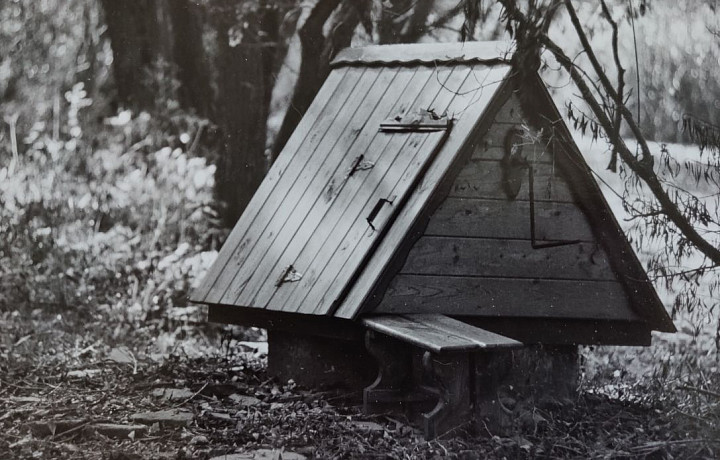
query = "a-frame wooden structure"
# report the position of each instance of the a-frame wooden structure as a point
(392, 197)
(415, 200)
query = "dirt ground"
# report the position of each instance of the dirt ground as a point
(67, 392)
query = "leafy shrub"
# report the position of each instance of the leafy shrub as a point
(107, 228)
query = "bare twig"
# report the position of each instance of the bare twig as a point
(12, 123)
(191, 397)
(700, 390)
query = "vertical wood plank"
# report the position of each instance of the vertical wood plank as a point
(338, 196)
(468, 107)
(327, 100)
(254, 225)
(352, 198)
(344, 264)
(309, 187)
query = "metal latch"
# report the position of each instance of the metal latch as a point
(289, 275)
(422, 121)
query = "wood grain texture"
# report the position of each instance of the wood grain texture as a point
(348, 259)
(328, 100)
(470, 217)
(308, 189)
(346, 222)
(492, 146)
(506, 258)
(276, 187)
(418, 333)
(511, 112)
(437, 333)
(563, 331)
(333, 268)
(484, 339)
(624, 260)
(483, 179)
(322, 195)
(469, 105)
(322, 326)
(511, 297)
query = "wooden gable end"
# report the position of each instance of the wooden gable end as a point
(476, 256)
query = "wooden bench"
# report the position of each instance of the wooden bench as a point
(448, 361)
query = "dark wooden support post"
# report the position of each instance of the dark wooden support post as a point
(393, 381)
(450, 375)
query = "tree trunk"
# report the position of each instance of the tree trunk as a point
(189, 56)
(138, 38)
(245, 81)
(316, 52)
(402, 21)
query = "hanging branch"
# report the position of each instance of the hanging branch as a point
(620, 84)
(704, 134)
(643, 166)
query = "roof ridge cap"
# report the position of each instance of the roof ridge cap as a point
(486, 52)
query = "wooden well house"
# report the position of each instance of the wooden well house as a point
(416, 213)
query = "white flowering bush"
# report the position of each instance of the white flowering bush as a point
(105, 227)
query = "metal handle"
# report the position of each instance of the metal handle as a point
(376, 210)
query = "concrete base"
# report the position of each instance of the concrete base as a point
(319, 362)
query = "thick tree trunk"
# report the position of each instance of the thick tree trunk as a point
(138, 38)
(317, 50)
(315, 55)
(189, 56)
(145, 31)
(402, 21)
(245, 81)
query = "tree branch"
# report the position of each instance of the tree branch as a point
(642, 168)
(608, 87)
(620, 84)
(639, 167)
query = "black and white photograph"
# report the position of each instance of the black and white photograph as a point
(359, 229)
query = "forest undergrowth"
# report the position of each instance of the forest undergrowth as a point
(105, 230)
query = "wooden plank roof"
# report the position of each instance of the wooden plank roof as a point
(321, 234)
(342, 180)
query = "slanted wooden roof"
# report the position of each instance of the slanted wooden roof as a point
(345, 175)
(371, 159)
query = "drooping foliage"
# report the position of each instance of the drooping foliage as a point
(612, 87)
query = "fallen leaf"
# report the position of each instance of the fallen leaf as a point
(22, 340)
(121, 355)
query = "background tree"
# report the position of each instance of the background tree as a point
(245, 45)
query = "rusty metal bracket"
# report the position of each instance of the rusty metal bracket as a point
(423, 121)
(289, 275)
(360, 165)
